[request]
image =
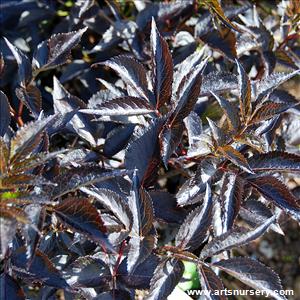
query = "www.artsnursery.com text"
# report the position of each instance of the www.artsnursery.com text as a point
(229, 292)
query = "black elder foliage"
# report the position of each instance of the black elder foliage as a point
(135, 136)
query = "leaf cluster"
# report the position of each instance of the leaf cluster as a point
(136, 136)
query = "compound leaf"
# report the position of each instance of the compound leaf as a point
(186, 97)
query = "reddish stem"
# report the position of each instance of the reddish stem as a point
(19, 116)
(288, 38)
(116, 266)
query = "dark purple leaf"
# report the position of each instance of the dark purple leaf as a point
(162, 11)
(162, 67)
(82, 216)
(28, 137)
(141, 207)
(193, 231)
(114, 295)
(253, 273)
(114, 202)
(231, 196)
(224, 42)
(218, 82)
(187, 94)
(210, 282)
(118, 92)
(169, 140)
(141, 276)
(165, 207)
(132, 73)
(277, 192)
(235, 157)
(193, 126)
(117, 139)
(230, 111)
(10, 289)
(31, 97)
(166, 277)
(269, 60)
(184, 67)
(5, 114)
(139, 249)
(142, 151)
(268, 84)
(77, 178)
(40, 268)
(275, 161)
(24, 65)
(268, 110)
(254, 37)
(191, 191)
(217, 133)
(186, 97)
(88, 272)
(233, 238)
(64, 103)
(256, 213)
(124, 106)
(244, 91)
(57, 50)
(282, 96)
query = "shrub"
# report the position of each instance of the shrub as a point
(181, 156)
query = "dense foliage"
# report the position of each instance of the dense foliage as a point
(136, 136)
